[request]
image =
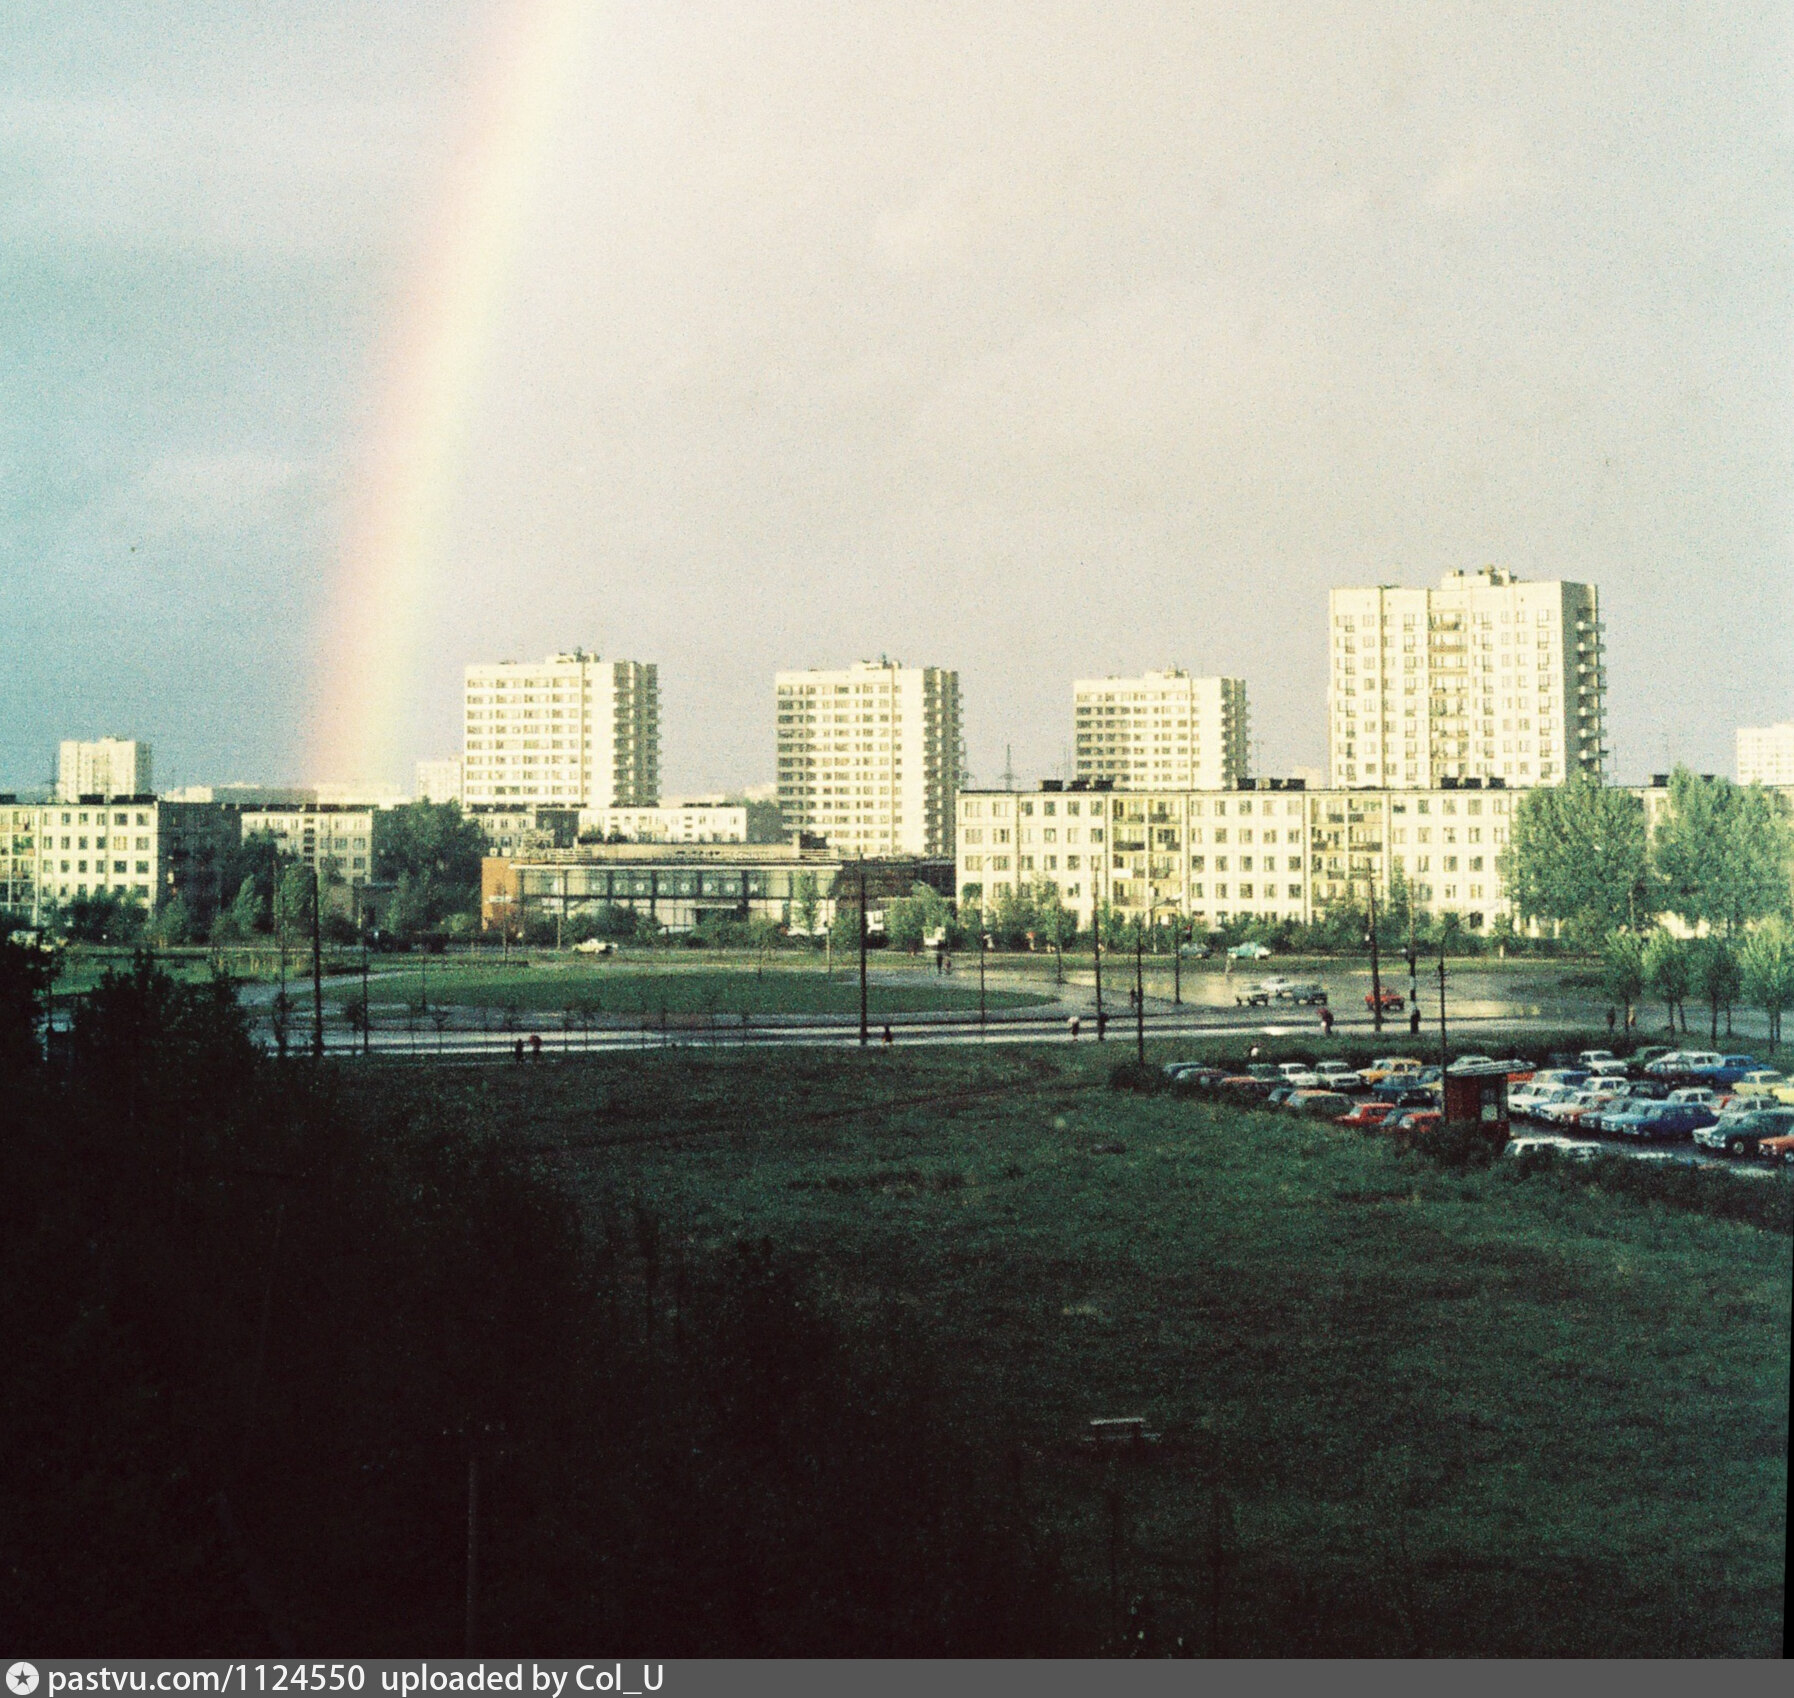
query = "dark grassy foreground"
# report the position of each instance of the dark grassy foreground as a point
(1405, 1409)
(790, 1353)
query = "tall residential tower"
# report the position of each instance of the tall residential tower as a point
(1164, 730)
(1485, 677)
(571, 730)
(871, 756)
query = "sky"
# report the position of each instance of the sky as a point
(1039, 341)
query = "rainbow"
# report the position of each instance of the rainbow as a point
(375, 616)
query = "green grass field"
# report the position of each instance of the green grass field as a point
(635, 988)
(1405, 1411)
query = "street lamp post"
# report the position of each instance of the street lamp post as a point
(1376, 976)
(862, 951)
(1140, 990)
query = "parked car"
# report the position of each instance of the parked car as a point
(1780, 1148)
(1250, 951)
(1589, 1057)
(1309, 991)
(1621, 1118)
(1741, 1134)
(1666, 1122)
(1402, 1095)
(1758, 1085)
(1684, 1064)
(1337, 1076)
(1526, 1101)
(1568, 1111)
(1306, 1080)
(1194, 951)
(1279, 1094)
(1367, 1116)
(1730, 1069)
(595, 946)
(1243, 1088)
(1609, 1070)
(1260, 995)
(1474, 1064)
(1286, 1068)
(1320, 1105)
(1416, 1120)
(1391, 1002)
(1388, 1066)
(1642, 1058)
(1705, 1095)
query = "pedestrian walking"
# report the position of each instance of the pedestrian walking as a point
(535, 1046)
(1414, 1021)
(1326, 1021)
(1073, 1024)
(887, 1037)
(517, 1051)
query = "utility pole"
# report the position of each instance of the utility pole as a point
(1140, 990)
(1376, 972)
(982, 942)
(1096, 952)
(317, 968)
(1442, 1017)
(366, 1006)
(1177, 961)
(862, 951)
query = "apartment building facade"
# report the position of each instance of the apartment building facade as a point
(1268, 853)
(1766, 754)
(1486, 677)
(570, 731)
(76, 850)
(438, 781)
(871, 756)
(1163, 729)
(336, 842)
(106, 767)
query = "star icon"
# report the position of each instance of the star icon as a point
(21, 1680)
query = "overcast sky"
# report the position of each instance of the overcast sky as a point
(1034, 340)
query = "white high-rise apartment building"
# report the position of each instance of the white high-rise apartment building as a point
(1164, 730)
(113, 766)
(572, 731)
(871, 756)
(439, 781)
(1766, 754)
(1485, 677)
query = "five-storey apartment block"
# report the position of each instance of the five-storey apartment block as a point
(1485, 677)
(871, 757)
(571, 730)
(1165, 729)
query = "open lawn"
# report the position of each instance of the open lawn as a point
(1403, 1410)
(636, 988)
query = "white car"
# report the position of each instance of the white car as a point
(1589, 1057)
(1527, 1100)
(1697, 1094)
(1337, 1075)
(595, 946)
(1306, 1080)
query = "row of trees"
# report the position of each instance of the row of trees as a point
(1756, 969)
(1580, 856)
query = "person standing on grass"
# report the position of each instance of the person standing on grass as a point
(1326, 1021)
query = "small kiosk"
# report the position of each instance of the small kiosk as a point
(1478, 1099)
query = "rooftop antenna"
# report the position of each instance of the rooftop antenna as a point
(1008, 768)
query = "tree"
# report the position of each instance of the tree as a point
(1667, 972)
(911, 919)
(171, 923)
(293, 904)
(242, 919)
(1623, 971)
(26, 973)
(1716, 974)
(806, 901)
(1767, 961)
(1011, 917)
(438, 850)
(1723, 851)
(1577, 855)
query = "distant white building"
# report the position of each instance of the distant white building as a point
(691, 823)
(571, 731)
(111, 766)
(1766, 754)
(871, 756)
(439, 781)
(322, 836)
(1162, 729)
(1485, 677)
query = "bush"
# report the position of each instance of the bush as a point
(1133, 1076)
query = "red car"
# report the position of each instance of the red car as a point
(1392, 1002)
(1415, 1120)
(1367, 1116)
